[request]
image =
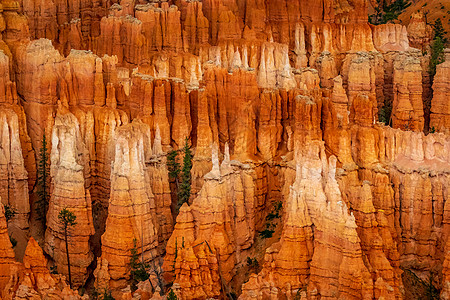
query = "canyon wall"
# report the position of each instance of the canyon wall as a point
(320, 164)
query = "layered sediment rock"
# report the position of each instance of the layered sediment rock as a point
(158, 177)
(131, 212)
(33, 280)
(336, 124)
(69, 166)
(37, 67)
(13, 178)
(440, 107)
(292, 261)
(419, 32)
(212, 235)
(135, 79)
(407, 107)
(7, 253)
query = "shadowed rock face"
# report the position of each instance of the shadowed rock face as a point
(279, 101)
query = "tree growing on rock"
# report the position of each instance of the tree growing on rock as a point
(184, 192)
(387, 11)
(67, 219)
(171, 295)
(138, 268)
(10, 212)
(439, 31)
(173, 165)
(183, 188)
(437, 46)
(43, 174)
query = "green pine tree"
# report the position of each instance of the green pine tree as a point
(138, 268)
(184, 192)
(67, 219)
(43, 175)
(386, 12)
(439, 31)
(437, 47)
(10, 212)
(171, 295)
(173, 166)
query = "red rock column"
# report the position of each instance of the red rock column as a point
(7, 257)
(440, 105)
(69, 160)
(407, 107)
(131, 206)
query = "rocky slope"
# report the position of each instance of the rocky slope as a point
(299, 189)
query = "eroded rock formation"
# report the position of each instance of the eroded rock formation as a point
(69, 168)
(131, 218)
(279, 101)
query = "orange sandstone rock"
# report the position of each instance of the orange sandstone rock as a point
(419, 32)
(131, 206)
(7, 252)
(440, 107)
(32, 279)
(69, 160)
(407, 107)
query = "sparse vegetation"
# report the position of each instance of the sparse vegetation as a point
(105, 295)
(268, 232)
(437, 47)
(13, 241)
(43, 174)
(10, 212)
(384, 115)
(273, 215)
(171, 295)
(252, 263)
(173, 166)
(67, 219)
(417, 288)
(138, 268)
(54, 269)
(431, 293)
(385, 13)
(185, 188)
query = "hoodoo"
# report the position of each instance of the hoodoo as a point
(224, 149)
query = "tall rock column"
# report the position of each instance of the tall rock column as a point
(407, 107)
(130, 209)
(327, 259)
(38, 66)
(6, 252)
(69, 161)
(336, 132)
(223, 219)
(13, 175)
(440, 105)
(16, 157)
(159, 181)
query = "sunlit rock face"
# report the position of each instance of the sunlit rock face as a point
(69, 166)
(320, 150)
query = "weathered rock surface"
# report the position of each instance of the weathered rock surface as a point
(7, 253)
(279, 101)
(69, 171)
(131, 210)
(407, 107)
(212, 235)
(13, 178)
(33, 280)
(440, 106)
